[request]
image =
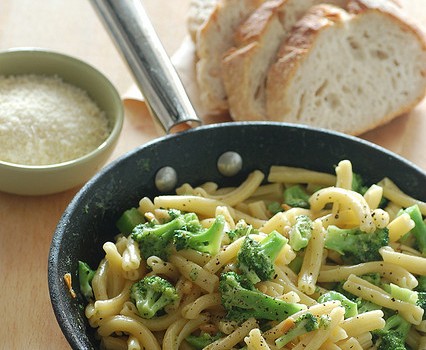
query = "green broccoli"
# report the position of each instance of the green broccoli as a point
(393, 334)
(300, 233)
(85, 276)
(374, 278)
(152, 294)
(201, 239)
(256, 259)
(296, 196)
(397, 292)
(419, 230)
(199, 342)
(421, 301)
(243, 301)
(303, 324)
(358, 184)
(366, 306)
(421, 287)
(356, 246)
(241, 229)
(274, 208)
(362, 304)
(155, 238)
(351, 307)
(400, 293)
(129, 220)
(296, 264)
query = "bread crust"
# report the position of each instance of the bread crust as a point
(392, 9)
(304, 37)
(257, 40)
(239, 62)
(198, 12)
(214, 38)
(256, 24)
(293, 51)
(262, 60)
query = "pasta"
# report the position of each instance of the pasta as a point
(300, 274)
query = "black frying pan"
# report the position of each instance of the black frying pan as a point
(90, 218)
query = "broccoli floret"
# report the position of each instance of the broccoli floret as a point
(421, 287)
(366, 306)
(362, 304)
(303, 324)
(300, 233)
(374, 278)
(397, 292)
(356, 246)
(351, 307)
(419, 230)
(394, 290)
(274, 208)
(152, 294)
(199, 342)
(201, 239)
(400, 293)
(296, 196)
(421, 301)
(154, 238)
(243, 301)
(296, 264)
(393, 335)
(174, 213)
(129, 220)
(85, 276)
(358, 184)
(256, 259)
(241, 229)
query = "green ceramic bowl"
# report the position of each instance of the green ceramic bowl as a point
(48, 179)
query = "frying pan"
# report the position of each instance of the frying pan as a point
(90, 218)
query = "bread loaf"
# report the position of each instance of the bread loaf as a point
(245, 67)
(348, 71)
(199, 11)
(213, 39)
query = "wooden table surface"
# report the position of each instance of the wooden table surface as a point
(27, 223)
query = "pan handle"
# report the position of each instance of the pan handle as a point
(135, 37)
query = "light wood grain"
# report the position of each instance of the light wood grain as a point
(27, 223)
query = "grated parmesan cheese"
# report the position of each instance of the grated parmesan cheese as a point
(44, 120)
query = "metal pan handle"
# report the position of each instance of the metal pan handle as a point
(134, 35)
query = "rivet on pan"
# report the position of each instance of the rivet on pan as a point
(229, 163)
(166, 179)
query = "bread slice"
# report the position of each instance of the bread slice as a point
(198, 12)
(245, 67)
(213, 39)
(347, 71)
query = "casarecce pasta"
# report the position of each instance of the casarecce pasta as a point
(301, 275)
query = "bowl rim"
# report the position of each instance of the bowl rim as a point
(113, 133)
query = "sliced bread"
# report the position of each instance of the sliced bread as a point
(198, 12)
(214, 38)
(348, 71)
(258, 38)
(244, 68)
